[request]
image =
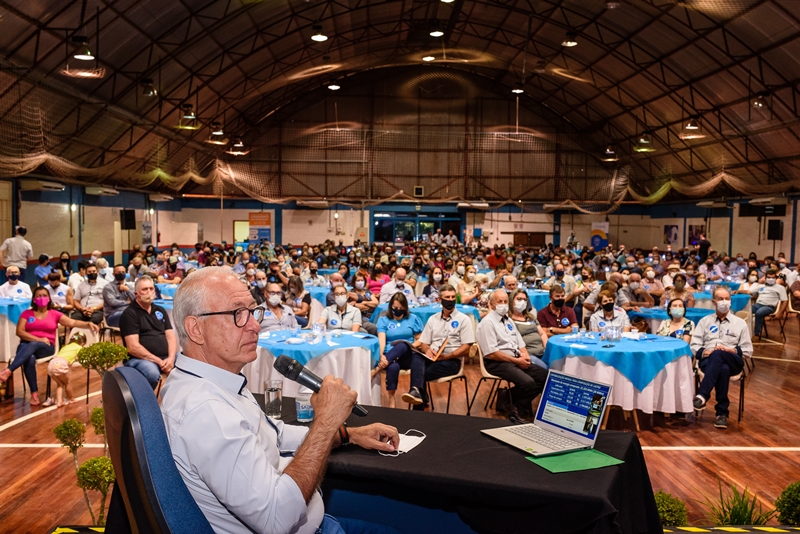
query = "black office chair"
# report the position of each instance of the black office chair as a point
(149, 494)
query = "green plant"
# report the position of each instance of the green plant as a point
(98, 420)
(671, 510)
(102, 356)
(97, 474)
(788, 505)
(737, 509)
(72, 434)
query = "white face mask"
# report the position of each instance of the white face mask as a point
(261, 284)
(406, 443)
(437, 277)
(634, 286)
(359, 284)
(770, 281)
(501, 309)
(341, 300)
(723, 306)
(471, 277)
(677, 312)
(520, 305)
(251, 272)
(651, 274)
(556, 262)
(274, 300)
(625, 277)
(460, 270)
(335, 284)
(753, 279)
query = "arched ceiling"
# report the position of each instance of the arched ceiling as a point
(646, 66)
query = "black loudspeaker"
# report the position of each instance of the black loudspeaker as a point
(775, 230)
(127, 219)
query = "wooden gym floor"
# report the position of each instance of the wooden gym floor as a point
(686, 458)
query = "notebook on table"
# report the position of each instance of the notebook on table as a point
(568, 419)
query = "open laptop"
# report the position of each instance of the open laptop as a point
(568, 419)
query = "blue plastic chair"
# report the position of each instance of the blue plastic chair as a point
(149, 494)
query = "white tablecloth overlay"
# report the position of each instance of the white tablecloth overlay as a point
(671, 391)
(8, 339)
(350, 364)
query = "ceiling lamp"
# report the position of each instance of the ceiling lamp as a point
(428, 58)
(188, 112)
(570, 40)
(613, 5)
(318, 35)
(541, 67)
(518, 88)
(82, 51)
(448, 1)
(333, 86)
(609, 154)
(761, 100)
(216, 128)
(644, 143)
(436, 32)
(692, 130)
(237, 143)
(237, 148)
(692, 124)
(148, 89)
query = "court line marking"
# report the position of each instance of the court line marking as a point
(723, 449)
(42, 411)
(774, 359)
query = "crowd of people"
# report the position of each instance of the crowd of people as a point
(587, 288)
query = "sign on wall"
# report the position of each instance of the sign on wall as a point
(670, 234)
(260, 227)
(147, 233)
(599, 237)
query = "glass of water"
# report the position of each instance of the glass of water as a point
(273, 398)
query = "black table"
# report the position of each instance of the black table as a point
(459, 480)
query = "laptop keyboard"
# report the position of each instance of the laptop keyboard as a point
(544, 438)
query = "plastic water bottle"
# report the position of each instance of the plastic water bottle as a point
(305, 412)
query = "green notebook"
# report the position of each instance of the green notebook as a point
(581, 460)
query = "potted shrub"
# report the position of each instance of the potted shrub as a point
(102, 356)
(97, 474)
(788, 505)
(737, 509)
(671, 510)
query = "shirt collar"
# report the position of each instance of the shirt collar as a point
(225, 379)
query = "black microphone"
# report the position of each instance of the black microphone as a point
(294, 371)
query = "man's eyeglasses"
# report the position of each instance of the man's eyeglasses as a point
(240, 315)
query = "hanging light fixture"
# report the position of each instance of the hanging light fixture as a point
(613, 5)
(518, 88)
(82, 51)
(188, 112)
(436, 30)
(448, 1)
(237, 148)
(692, 124)
(692, 130)
(216, 128)
(760, 101)
(318, 35)
(609, 154)
(237, 143)
(428, 58)
(333, 86)
(644, 143)
(541, 67)
(148, 89)
(570, 40)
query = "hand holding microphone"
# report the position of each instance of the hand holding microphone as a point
(294, 370)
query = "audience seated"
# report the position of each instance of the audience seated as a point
(299, 300)
(608, 314)
(677, 326)
(87, 301)
(557, 317)
(60, 293)
(771, 299)
(15, 288)
(398, 285)
(277, 316)
(341, 315)
(398, 334)
(43, 269)
(117, 296)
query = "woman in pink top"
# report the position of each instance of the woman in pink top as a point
(377, 278)
(36, 330)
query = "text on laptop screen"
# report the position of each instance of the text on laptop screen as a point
(573, 404)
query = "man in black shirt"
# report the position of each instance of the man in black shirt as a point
(703, 245)
(148, 335)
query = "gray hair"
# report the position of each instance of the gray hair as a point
(101, 263)
(190, 299)
(143, 278)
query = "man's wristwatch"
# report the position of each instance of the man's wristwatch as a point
(551, 329)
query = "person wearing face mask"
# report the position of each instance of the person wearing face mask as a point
(608, 314)
(277, 316)
(636, 293)
(398, 331)
(314, 279)
(135, 270)
(651, 283)
(710, 270)
(37, 328)
(672, 270)
(480, 262)
(170, 274)
(398, 285)
(679, 290)
(377, 279)
(468, 289)
(535, 337)
(720, 342)
(751, 285)
(505, 355)
(561, 278)
(341, 315)
(457, 274)
(299, 300)
(104, 271)
(366, 302)
(772, 299)
(557, 317)
(448, 334)
(87, 300)
(785, 271)
(411, 275)
(43, 269)
(496, 259)
(451, 240)
(691, 275)
(64, 266)
(148, 334)
(677, 326)
(117, 296)
(58, 292)
(15, 288)
(259, 290)
(435, 282)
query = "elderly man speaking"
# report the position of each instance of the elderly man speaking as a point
(249, 473)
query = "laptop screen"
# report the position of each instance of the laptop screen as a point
(573, 404)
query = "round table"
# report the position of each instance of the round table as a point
(654, 316)
(350, 357)
(652, 375)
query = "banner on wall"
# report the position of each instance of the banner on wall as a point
(599, 237)
(147, 233)
(670, 234)
(260, 227)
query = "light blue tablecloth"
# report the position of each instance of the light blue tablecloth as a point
(733, 286)
(167, 290)
(327, 272)
(13, 308)
(539, 298)
(166, 304)
(318, 293)
(426, 312)
(738, 301)
(693, 314)
(638, 361)
(305, 352)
